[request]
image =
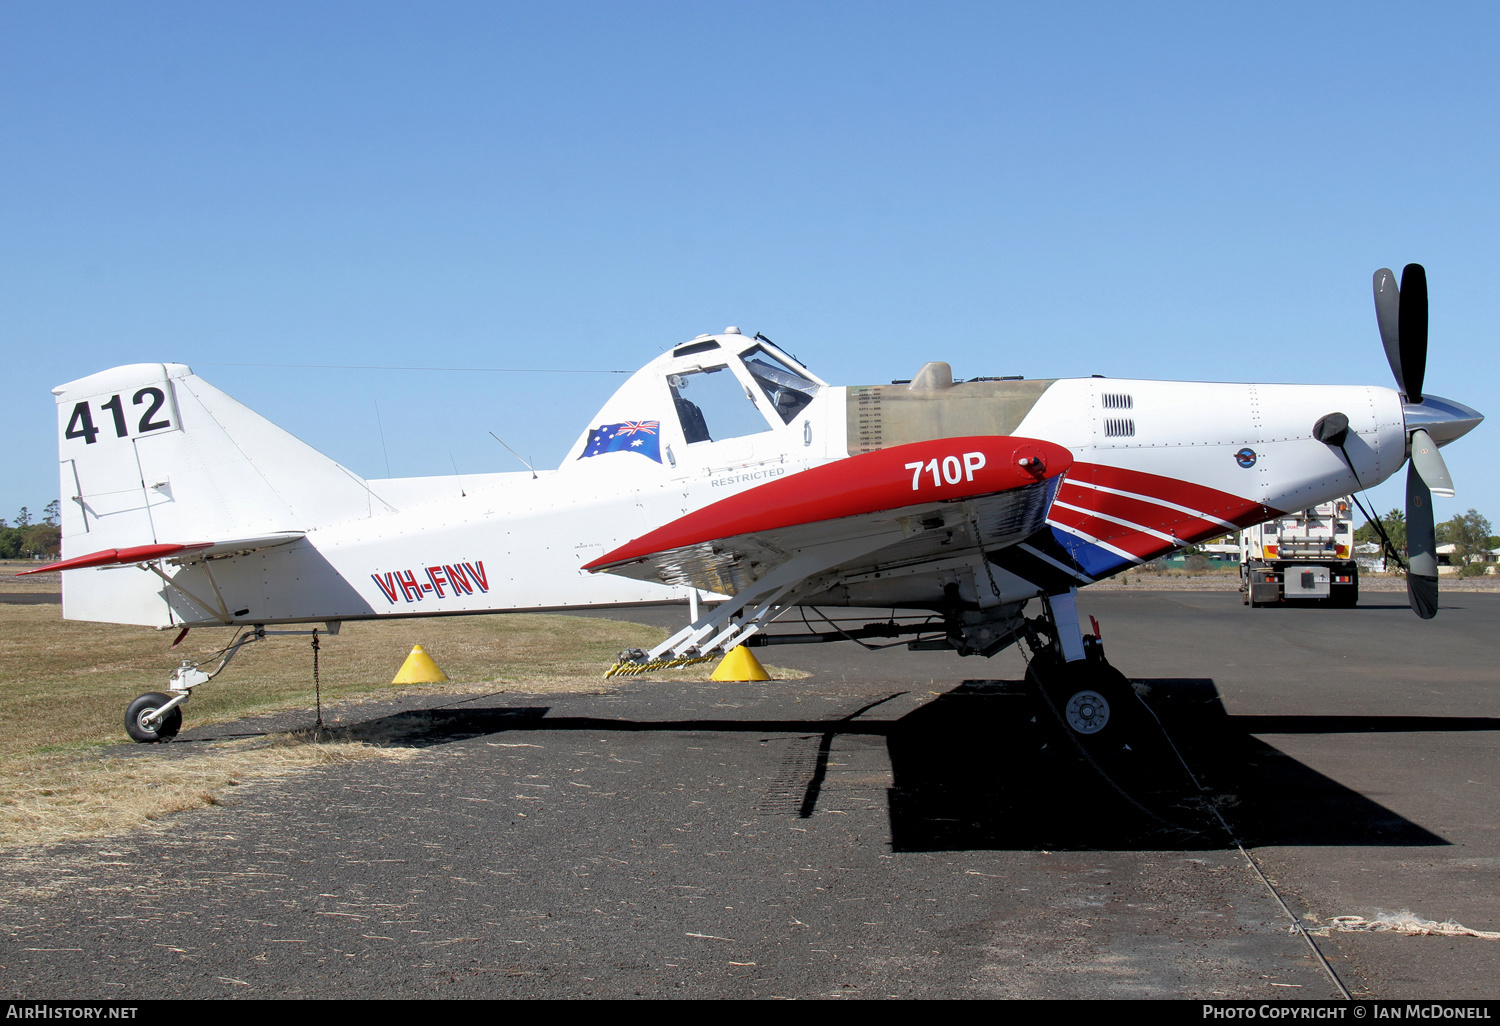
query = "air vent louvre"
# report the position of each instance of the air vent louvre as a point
(1119, 427)
(1117, 401)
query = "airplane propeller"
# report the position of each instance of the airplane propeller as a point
(1401, 312)
(1403, 325)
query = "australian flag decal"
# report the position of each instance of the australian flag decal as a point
(642, 436)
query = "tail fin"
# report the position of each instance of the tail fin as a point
(151, 454)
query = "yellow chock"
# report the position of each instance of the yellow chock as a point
(740, 665)
(419, 669)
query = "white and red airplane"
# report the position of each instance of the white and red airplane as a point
(725, 468)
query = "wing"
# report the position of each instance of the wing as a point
(888, 511)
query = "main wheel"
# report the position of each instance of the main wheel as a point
(1087, 712)
(136, 713)
(1095, 702)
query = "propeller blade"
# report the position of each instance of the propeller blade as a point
(1413, 330)
(1429, 463)
(1421, 547)
(1388, 316)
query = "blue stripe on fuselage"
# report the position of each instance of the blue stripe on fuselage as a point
(1095, 560)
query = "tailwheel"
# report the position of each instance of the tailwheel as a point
(143, 724)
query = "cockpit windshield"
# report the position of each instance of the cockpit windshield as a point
(712, 405)
(788, 391)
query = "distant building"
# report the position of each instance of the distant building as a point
(1370, 556)
(1446, 565)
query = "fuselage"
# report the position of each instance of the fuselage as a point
(1156, 465)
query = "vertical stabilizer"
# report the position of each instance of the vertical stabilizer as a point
(152, 454)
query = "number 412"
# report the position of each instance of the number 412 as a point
(81, 424)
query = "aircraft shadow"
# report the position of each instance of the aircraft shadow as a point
(974, 770)
(982, 768)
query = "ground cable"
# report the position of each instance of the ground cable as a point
(1297, 926)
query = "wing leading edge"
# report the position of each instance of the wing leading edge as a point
(901, 506)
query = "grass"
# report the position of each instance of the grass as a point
(62, 796)
(65, 683)
(64, 686)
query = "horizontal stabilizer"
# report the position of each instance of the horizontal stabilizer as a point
(183, 551)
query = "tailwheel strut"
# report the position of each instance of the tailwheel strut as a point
(157, 716)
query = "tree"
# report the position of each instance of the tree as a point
(1470, 536)
(1394, 523)
(40, 540)
(28, 539)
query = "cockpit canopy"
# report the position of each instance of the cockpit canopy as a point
(710, 390)
(720, 393)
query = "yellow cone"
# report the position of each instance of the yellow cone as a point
(419, 669)
(740, 665)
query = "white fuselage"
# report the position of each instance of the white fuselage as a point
(1212, 456)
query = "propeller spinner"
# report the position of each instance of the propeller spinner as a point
(1431, 421)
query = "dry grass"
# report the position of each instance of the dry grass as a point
(62, 796)
(32, 584)
(64, 686)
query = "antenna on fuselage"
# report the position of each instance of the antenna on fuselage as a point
(461, 493)
(381, 427)
(515, 454)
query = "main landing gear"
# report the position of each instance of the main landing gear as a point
(1074, 684)
(157, 716)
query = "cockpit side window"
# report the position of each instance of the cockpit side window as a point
(788, 391)
(712, 405)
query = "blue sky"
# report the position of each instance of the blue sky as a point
(1194, 191)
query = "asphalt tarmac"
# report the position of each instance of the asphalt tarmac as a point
(879, 829)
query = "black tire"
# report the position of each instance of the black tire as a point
(1344, 596)
(1094, 702)
(166, 730)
